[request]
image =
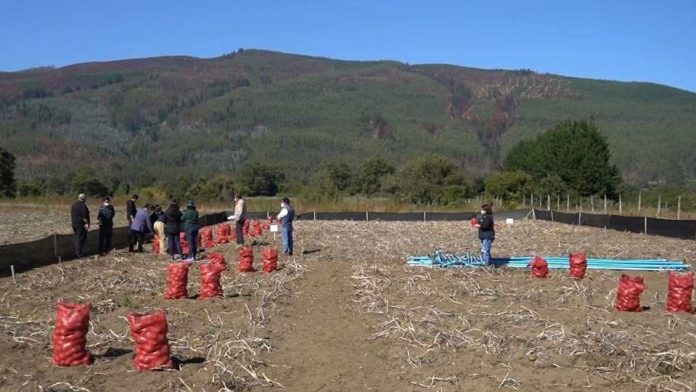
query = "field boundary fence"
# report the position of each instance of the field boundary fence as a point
(57, 248)
(682, 229)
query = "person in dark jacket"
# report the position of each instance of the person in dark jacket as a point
(190, 220)
(286, 217)
(105, 216)
(140, 226)
(486, 232)
(172, 226)
(79, 216)
(131, 210)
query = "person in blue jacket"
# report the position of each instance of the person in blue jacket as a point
(486, 232)
(140, 226)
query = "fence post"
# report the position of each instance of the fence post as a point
(659, 204)
(424, 220)
(314, 214)
(620, 205)
(548, 202)
(679, 208)
(645, 225)
(579, 217)
(551, 215)
(532, 200)
(533, 213)
(558, 202)
(640, 198)
(367, 216)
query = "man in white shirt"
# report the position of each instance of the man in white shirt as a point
(286, 217)
(239, 217)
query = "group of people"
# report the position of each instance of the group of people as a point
(167, 224)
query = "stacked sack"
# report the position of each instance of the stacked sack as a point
(628, 294)
(149, 330)
(680, 288)
(539, 267)
(578, 265)
(156, 244)
(246, 259)
(218, 259)
(223, 233)
(210, 280)
(177, 280)
(70, 335)
(270, 259)
(207, 241)
(184, 243)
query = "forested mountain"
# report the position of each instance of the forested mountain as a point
(163, 118)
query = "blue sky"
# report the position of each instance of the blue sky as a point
(652, 41)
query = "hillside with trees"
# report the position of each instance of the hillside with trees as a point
(266, 121)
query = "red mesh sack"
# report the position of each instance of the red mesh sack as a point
(246, 259)
(177, 279)
(270, 259)
(474, 221)
(207, 238)
(628, 294)
(578, 265)
(70, 335)
(149, 330)
(218, 259)
(210, 280)
(223, 233)
(258, 229)
(540, 268)
(155, 244)
(184, 243)
(680, 287)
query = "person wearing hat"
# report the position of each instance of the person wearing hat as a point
(286, 217)
(190, 221)
(141, 225)
(105, 216)
(79, 215)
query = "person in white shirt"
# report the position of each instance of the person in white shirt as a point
(239, 217)
(286, 217)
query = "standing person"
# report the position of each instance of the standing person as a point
(105, 216)
(160, 230)
(79, 215)
(239, 217)
(172, 222)
(190, 220)
(286, 217)
(141, 225)
(131, 210)
(486, 232)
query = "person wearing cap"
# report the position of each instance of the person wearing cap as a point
(105, 216)
(190, 221)
(239, 217)
(160, 230)
(141, 225)
(79, 215)
(286, 217)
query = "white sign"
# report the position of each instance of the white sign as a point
(274, 228)
(509, 221)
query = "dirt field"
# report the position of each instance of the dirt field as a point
(347, 314)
